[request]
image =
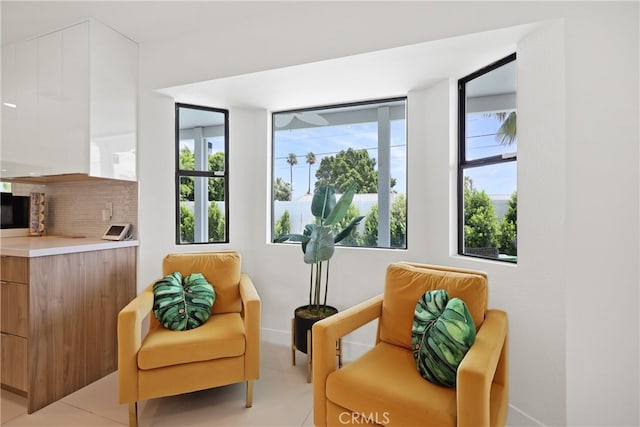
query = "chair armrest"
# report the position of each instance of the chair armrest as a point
(325, 333)
(130, 321)
(251, 307)
(484, 364)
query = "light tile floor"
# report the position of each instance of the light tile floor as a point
(281, 397)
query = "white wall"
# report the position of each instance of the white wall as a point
(577, 277)
(602, 216)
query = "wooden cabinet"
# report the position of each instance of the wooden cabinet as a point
(14, 318)
(14, 269)
(14, 322)
(69, 101)
(14, 363)
(59, 327)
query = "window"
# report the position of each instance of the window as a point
(202, 175)
(487, 166)
(362, 143)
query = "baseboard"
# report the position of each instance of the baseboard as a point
(276, 336)
(350, 350)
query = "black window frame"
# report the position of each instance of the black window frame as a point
(374, 101)
(463, 163)
(179, 173)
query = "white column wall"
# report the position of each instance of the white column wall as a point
(602, 216)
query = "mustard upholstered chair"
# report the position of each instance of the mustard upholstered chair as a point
(224, 350)
(384, 385)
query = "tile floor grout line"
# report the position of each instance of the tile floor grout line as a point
(91, 412)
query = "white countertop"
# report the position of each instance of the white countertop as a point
(30, 247)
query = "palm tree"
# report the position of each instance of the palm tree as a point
(311, 159)
(507, 130)
(281, 190)
(292, 160)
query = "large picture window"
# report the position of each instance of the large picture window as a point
(202, 205)
(362, 143)
(487, 166)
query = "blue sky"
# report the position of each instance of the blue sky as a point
(329, 140)
(482, 142)
(326, 141)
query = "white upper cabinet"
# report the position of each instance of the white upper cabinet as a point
(69, 101)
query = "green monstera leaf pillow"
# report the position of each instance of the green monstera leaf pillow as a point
(180, 305)
(442, 333)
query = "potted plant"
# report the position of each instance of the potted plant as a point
(318, 246)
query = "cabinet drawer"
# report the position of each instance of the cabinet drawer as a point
(14, 318)
(14, 362)
(14, 269)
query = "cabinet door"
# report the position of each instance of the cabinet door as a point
(49, 119)
(14, 362)
(14, 318)
(114, 71)
(14, 269)
(27, 95)
(9, 100)
(19, 158)
(74, 145)
(63, 93)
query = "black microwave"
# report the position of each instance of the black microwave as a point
(14, 211)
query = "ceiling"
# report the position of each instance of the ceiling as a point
(374, 75)
(142, 21)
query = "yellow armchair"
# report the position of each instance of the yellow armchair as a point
(224, 350)
(383, 386)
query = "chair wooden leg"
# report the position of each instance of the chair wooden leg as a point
(133, 414)
(249, 393)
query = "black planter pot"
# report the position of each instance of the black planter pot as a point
(303, 322)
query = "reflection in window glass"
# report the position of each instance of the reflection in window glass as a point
(490, 208)
(488, 135)
(487, 188)
(201, 175)
(362, 143)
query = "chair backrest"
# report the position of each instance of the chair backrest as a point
(222, 270)
(406, 282)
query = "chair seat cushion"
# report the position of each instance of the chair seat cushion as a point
(221, 336)
(384, 382)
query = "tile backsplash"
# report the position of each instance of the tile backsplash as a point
(75, 208)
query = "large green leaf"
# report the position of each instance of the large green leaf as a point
(182, 304)
(308, 229)
(347, 230)
(341, 207)
(442, 333)
(321, 246)
(291, 238)
(323, 202)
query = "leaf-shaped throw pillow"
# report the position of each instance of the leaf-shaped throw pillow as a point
(442, 333)
(182, 305)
